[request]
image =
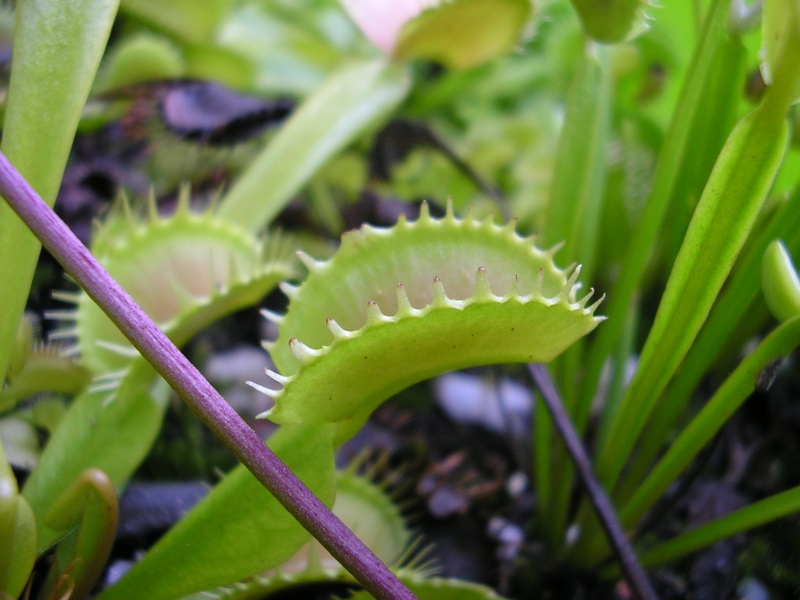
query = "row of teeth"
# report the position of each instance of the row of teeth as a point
(304, 353)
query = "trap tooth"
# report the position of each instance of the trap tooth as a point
(106, 386)
(482, 288)
(66, 296)
(424, 213)
(120, 349)
(552, 250)
(284, 381)
(513, 292)
(538, 285)
(184, 296)
(127, 211)
(235, 274)
(374, 314)
(108, 382)
(289, 289)
(403, 303)
(183, 200)
(115, 375)
(470, 216)
(63, 334)
(302, 352)
(449, 213)
(310, 263)
(337, 330)
(71, 351)
(439, 295)
(271, 316)
(264, 390)
(510, 227)
(565, 292)
(61, 315)
(594, 306)
(99, 237)
(582, 302)
(268, 346)
(152, 207)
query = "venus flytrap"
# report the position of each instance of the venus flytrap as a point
(453, 33)
(188, 270)
(396, 306)
(373, 515)
(614, 21)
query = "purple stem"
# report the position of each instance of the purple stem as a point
(192, 387)
(628, 562)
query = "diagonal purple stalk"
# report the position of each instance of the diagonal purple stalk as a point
(628, 562)
(192, 387)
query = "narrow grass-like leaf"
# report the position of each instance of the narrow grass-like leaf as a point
(705, 425)
(573, 218)
(575, 203)
(44, 106)
(350, 102)
(676, 146)
(727, 321)
(733, 196)
(769, 509)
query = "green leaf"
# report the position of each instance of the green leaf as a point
(113, 436)
(728, 326)
(677, 146)
(612, 21)
(188, 20)
(439, 588)
(238, 530)
(42, 114)
(17, 533)
(396, 306)
(757, 514)
(91, 505)
(780, 22)
(715, 413)
(731, 200)
(141, 58)
(350, 102)
(464, 33)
